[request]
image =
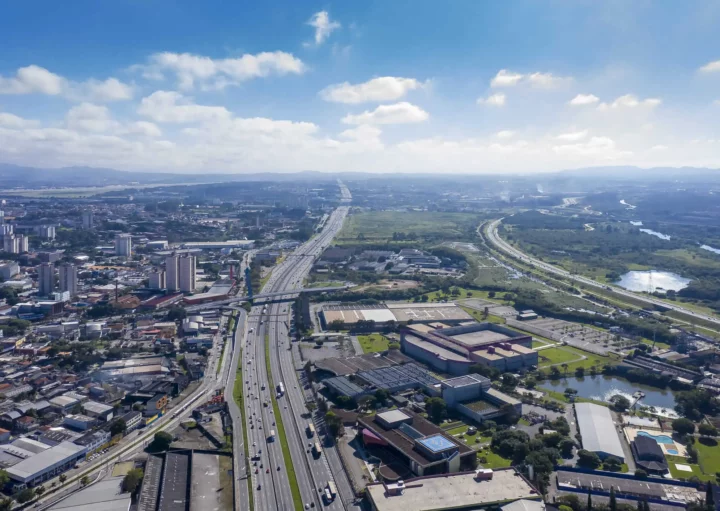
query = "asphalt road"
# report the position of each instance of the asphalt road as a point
(502, 245)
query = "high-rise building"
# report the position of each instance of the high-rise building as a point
(10, 244)
(172, 282)
(186, 273)
(46, 279)
(6, 229)
(8, 269)
(157, 280)
(123, 245)
(23, 244)
(46, 231)
(88, 219)
(68, 279)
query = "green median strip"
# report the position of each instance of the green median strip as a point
(238, 397)
(290, 469)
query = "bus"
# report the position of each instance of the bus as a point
(310, 430)
(271, 438)
(317, 450)
(280, 389)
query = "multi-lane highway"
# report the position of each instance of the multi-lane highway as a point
(494, 238)
(268, 327)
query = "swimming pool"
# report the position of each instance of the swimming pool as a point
(672, 451)
(661, 439)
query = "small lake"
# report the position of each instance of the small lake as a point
(656, 234)
(663, 280)
(711, 249)
(602, 388)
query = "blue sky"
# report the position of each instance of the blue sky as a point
(379, 86)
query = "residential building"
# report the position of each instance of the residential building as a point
(88, 219)
(46, 231)
(46, 279)
(157, 280)
(171, 273)
(123, 245)
(186, 273)
(8, 269)
(68, 279)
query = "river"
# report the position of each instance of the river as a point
(641, 281)
(602, 388)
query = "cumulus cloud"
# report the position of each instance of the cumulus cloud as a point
(323, 26)
(600, 147)
(111, 89)
(505, 134)
(144, 128)
(90, 117)
(173, 107)
(630, 101)
(506, 78)
(13, 121)
(584, 99)
(573, 136)
(209, 73)
(710, 67)
(385, 88)
(497, 99)
(398, 113)
(33, 80)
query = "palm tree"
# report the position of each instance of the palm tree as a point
(565, 368)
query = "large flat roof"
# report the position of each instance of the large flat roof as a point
(106, 495)
(597, 429)
(27, 469)
(435, 349)
(480, 338)
(451, 491)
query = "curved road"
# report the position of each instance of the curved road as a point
(494, 238)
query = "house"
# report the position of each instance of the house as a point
(649, 455)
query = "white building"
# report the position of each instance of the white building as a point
(123, 245)
(172, 281)
(46, 279)
(47, 464)
(46, 231)
(8, 269)
(186, 274)
(15, 244)
(157, 280)
(68, 279)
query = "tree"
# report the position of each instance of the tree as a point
(566, 446)
(589, 501)
(162, 441)
(334, 424)
(382, 396)
(40, 490)
(588, 459)
(85, 480)
(118, 427)
(132, 480)
(641, 474)
(336, 325)
(620, 403)
(436, 408)
(25, 495)
(6, 504)
(707, 430)
(176, 314)
(683, 426)
(4, 478)
(62, 478)
(613, 502)
(709, 498)
(509, 381)
(612, 463)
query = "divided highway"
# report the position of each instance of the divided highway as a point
(494, 238)
(269, 324)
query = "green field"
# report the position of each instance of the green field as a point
(480, 316)
(708, 458)
(374, 225)
(573, 358)
(557, 356)
(492, 460)
(373, 343)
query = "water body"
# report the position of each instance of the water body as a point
(636, 223)
(656, 234)
(663, 280)
(602, 388)
(711, 249)
(629, 206)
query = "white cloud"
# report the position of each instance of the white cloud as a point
(173, 107)
(505, 134)
(398, 113)
(385, 88)
(323, 26)
(111, 89)
(547, 80)
(601, 147)
(630, 101)
(506, 78)
(90, 117)
(573, 136)
(362, 132)
(497, 99)
(584, 99)
(33, 79)
(711, 67)
(13, 121)
(716, 102)
(145, 128)
(212, 74)
(659, 147)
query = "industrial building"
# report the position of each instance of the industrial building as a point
(401, 313)
(408, 443)
(472, 396)
(480, 489)
(46, 464)
(597, 430)
(453, 350)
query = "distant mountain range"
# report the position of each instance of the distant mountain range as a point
(15, 176)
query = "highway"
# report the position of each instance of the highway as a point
(270, 322)
(494, 238)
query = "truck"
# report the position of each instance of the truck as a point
(271, 437)
(310, 430)
(280, 389)
(317, 450)
(332, 489)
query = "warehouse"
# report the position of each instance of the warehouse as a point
(597, 430)
(403, 313)
(47, 464)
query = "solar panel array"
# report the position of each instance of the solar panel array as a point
(342, 385)
(410, 431)
(407, 375)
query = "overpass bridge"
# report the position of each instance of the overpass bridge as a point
(279, 296)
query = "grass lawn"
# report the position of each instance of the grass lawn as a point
(382, 224)
(373, 343)
(708, 458)
(560, 396)
(537, 343)
(480, 316)
(557, 356)
(679, 474)
(573, 358)
(492, 460)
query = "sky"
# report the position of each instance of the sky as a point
(383, 86)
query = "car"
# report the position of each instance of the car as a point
(278, 468)
(267, 471)
(259, 486)
(307, 506)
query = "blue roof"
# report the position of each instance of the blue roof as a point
(436, 443)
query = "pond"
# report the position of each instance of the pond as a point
(641, 281)
(602, 388)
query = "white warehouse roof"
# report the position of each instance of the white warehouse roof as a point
(56, 456)
(597, 430)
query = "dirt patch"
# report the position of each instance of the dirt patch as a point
(385, 285)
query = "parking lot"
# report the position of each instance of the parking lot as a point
(575, 334)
